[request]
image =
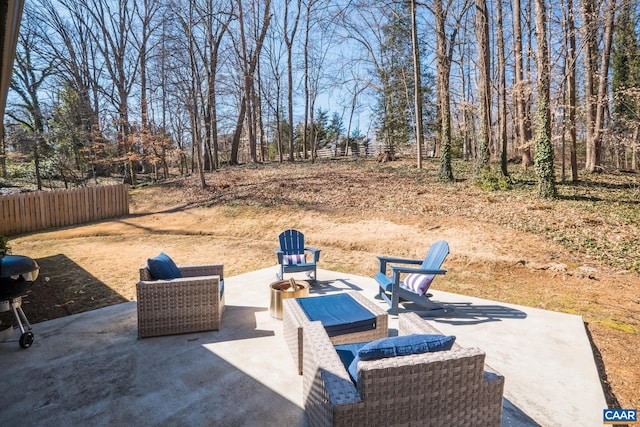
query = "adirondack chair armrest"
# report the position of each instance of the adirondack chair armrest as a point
(384, 260)
(314, 251)
(399, 270)
(399, 260)
(280, 255)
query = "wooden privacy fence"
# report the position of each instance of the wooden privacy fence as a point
(25, 212)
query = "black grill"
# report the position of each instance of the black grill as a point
(17, 273)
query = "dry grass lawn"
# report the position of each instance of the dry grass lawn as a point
(579, 254)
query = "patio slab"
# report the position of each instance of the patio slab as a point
(91, 367)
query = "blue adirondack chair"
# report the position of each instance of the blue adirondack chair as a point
(416, 281)
(292, 255)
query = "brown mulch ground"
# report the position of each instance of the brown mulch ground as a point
(579, 254)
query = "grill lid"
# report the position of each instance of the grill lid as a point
(17, 272)
(12, 266)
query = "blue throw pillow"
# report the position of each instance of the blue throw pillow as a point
(348, 354)
(353, 369)
(405, 345)
(162, 267)
(418, 283)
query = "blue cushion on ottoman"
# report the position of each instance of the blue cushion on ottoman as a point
(340, 314)
(162, 267)
(405, 345)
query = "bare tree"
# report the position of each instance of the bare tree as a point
(444, 55)
(275, 52)
(111, 30)
(146, 16)
(464, 108)
(192, 85)
(215, 17)
(63, 35)
(289, 36)
(249, 56)
(315, 53)
(363, 26)
(28, 79)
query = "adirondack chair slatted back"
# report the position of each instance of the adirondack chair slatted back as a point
(438, 252)
(292, 242)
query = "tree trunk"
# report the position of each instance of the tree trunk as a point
(235, 142)
(3, 152)
(417, 85)
(251, 118)
(260, 135)
(195, 116)
(445, 173)
(502, 124)
(544, 164)
(215, 34)
(312, 142)
(148, 10)
(603, 80)
(634, 149)
(571, 91)
(444, 55)
(288, 40)
(524, 125)
(590, 48)
(36, 160)
(484, 83)
(307, 92)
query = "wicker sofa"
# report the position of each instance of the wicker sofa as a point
(446, 388)
(191, 303)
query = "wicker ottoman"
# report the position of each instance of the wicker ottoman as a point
(295, 319)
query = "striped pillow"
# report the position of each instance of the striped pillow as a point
(294, 259)
(418, 283)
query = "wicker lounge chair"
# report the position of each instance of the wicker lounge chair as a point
(295, 320)
(445, 388)
(192, 303)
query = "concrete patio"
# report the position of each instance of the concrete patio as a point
(91, 368)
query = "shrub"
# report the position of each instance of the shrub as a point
(493, 180)
(4, 245)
